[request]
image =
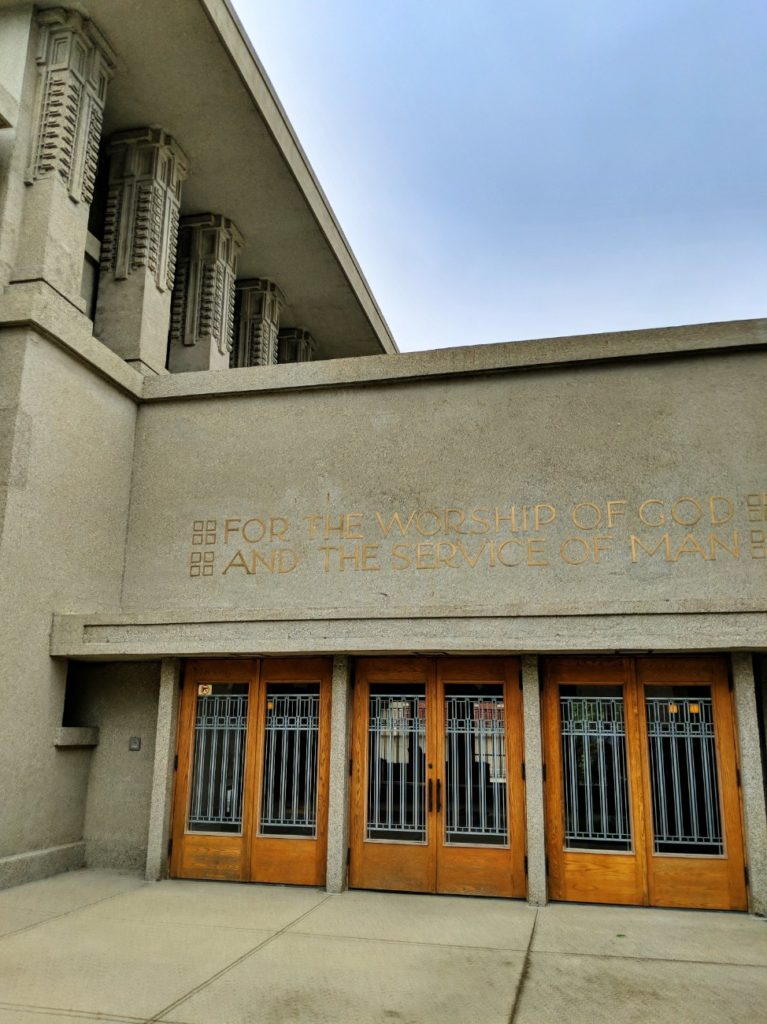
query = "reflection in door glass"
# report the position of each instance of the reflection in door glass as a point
(475, 766)
(219, 753)
(289, 790)
(397, 763)
(685, 793)
(594, 768)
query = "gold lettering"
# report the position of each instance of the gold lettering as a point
(230, 526)
(287, 560)
(500, 549)
(454, 527)
(719, 518)
(446, 560)
(535, 546)
(400, 551)
(257, 557)
(661, 521)
(472, 562)
(613, 511)
(237, 562)
(690, 546)
(538, 522)
(278, 527)
(422, 529)
(570, 558)
(353, 522)
(602, 546)
(404, 528)
(675, 513)
(420, 554)
(247, 533)
(327, 550)
(511, 518)
(479, 515)
(715, 542)
(576, 515)
(313, 522)
(370, 558)
(664, 542)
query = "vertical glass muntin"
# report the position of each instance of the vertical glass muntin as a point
(476, 789)
(220, 733)
(684, 779)
(594, 769)
(290, 767)
(396, 782)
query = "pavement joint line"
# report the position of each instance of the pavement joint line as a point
(524, 972)
(58, 1011)
(66, 913)
(229, 967)
(650, 959)
(406, 942)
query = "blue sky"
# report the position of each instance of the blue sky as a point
(509, 169)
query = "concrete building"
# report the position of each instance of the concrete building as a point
(486, 620)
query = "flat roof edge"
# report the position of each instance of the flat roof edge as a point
(501, 357)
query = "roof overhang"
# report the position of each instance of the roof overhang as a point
(188, 67)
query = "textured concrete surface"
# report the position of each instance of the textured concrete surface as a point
(534, 816)
(338, 803)
(752, 779)
(94, 945)
(156, 865)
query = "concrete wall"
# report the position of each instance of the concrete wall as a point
(635, 489)
(62, 546)
(17, 80)
(121, 701)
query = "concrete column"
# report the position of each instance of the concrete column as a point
(257, 316)
(536, 835)
(138, 253)
(74, 64)
(295, 345)
(162, 777)
(752, 780)
(338, 805)
(202, 307)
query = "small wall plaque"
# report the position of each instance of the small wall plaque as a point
(134, 743)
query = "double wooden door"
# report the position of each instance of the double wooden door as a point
(251, 787)
(437, 776)
(642, 799)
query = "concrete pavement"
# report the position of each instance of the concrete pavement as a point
(100, 946)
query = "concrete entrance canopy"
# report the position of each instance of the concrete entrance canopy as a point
(189, 67)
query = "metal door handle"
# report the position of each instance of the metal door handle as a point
(439, 795)
(429, 804)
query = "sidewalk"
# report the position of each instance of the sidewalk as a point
(95, 945)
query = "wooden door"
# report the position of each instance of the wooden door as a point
(437, 788)
(251, 785)
(642, 804)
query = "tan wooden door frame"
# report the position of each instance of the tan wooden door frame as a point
(249, 856)
(642, 875)
(435, 865)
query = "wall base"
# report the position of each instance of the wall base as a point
(34, 864)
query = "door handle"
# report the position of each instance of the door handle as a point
(429, 799)
(439, 795)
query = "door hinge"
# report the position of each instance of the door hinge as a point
(745, 874)
(737, 778)
(525, 863)
(170, 847)
(175, 762)
(524, 773)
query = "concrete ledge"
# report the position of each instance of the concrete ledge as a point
(72, 736)
(35, 304)
(9, 109)
(98, 638)
(34, 864)
(471, 360)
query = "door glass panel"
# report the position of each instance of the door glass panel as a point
(685, 791)
(289, 788)
(594, 768)
(396, 804)
(475, 765)
(221, 719)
